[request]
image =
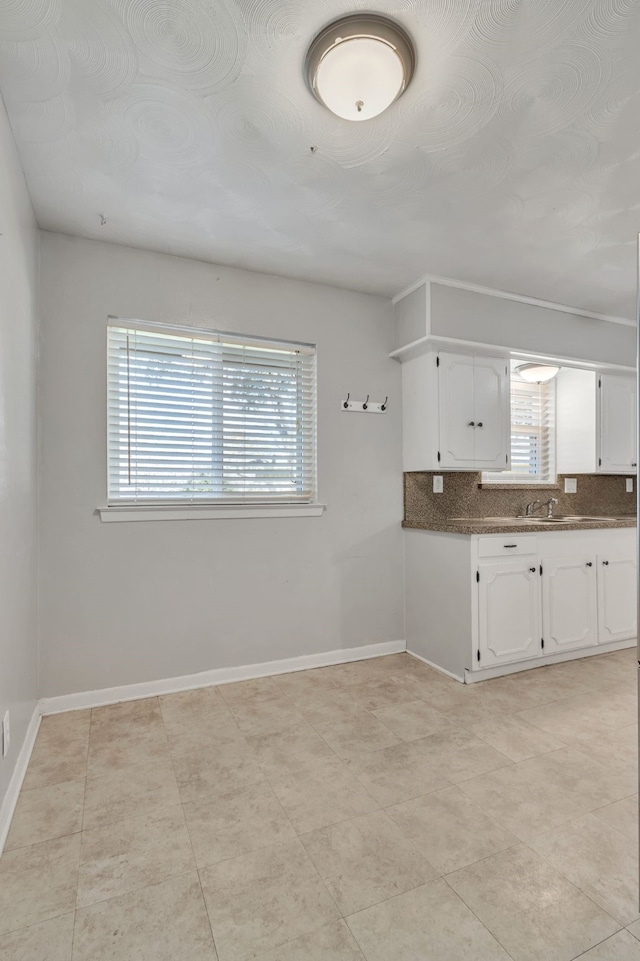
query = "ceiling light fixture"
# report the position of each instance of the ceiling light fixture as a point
(359, 65)
(537, 373)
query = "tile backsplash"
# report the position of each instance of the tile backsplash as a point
(600, 494)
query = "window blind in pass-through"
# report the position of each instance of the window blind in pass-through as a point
(532, 431)
(203, 416)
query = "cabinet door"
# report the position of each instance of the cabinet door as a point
(569, 603)
(491, 413)
(617, 592)
(617, 424)
(457, 421)
(509, 612)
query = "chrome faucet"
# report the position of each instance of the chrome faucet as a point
(535, 505)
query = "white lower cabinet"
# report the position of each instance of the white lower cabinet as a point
(617, 609)
(508, 612)
(480, 604)
(569, 603)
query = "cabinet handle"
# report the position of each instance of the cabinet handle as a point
(532, 569)
(634, 464)
(509, 545)
(606, 563)
(589, 564)
(479, 423)
(471, 423)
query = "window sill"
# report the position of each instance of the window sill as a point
(491, 486)
(194, 512)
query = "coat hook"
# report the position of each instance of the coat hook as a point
(366, 403)
(346, 403)
(384, 406)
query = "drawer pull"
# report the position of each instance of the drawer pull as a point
(589, 564)
(479, 423)
(471, 423)
(532, 569)
(606, 563)
(510, 545)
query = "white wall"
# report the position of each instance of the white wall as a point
(18, 343)
(122, 603)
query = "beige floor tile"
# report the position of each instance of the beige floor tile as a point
(458, 755)
(597, 859)
(618, 749)
(324, 794)
(397, 773)
(228, 825)
(621, 947)
(38, 882)
(127, 855)
(413, 719)
(449, 829)
(328, 705)
(67, 762)
(123, 750)
(246, 692)
(581, 778)
(47, 941)
(425, 685)
(58, 730)
(521, 802)
(622, 815)
(134, 715)
(213, 773)
(429, 923)
(304, 684)
(353, 672)
(516, 739)
(378, 693)
(533, 910)
(334, 942)
(163, 922)
(355, 734)
(366, 860)
(188, 735)
(195, 704)
(266, 715)
(285, 752)
(635, 929)
(261, 900)
(44, 813)
(124, 794)
(583, 716)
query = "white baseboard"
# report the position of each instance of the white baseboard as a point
(436, 667)
(224, 675)
(472, 677)
(11, 797)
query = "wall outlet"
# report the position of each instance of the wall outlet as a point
(570, 485)
(6, 734)
(438, 484)
(629, 485)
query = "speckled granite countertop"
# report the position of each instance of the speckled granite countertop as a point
(514, 525)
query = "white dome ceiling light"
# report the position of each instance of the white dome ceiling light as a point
(359, 65)
(537, 373)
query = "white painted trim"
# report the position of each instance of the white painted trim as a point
(188, 512)
(436, 342)
(470, 677)
(22, 762)
(224, 675)
(436, 667)
(508, 295)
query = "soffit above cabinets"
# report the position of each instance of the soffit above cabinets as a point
(511, 161)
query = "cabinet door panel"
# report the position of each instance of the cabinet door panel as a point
(617, 424)
(491, 413)
(569, 603)
(617, 591)
(509, 612)
(455, 396)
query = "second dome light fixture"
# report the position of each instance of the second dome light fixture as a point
(359, 65)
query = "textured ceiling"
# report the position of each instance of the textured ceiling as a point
(512, 161)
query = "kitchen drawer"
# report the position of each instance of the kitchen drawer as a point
(507, 545)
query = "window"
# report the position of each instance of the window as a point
(197, 416)
(533, 434)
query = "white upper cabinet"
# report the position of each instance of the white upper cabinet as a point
(617, 424)
(596, 428)
(456, 412)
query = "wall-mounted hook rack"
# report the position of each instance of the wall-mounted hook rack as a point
(365, 406)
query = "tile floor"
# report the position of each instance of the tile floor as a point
(375, 811)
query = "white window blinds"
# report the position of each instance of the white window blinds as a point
(208, 417)
(533, 434)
